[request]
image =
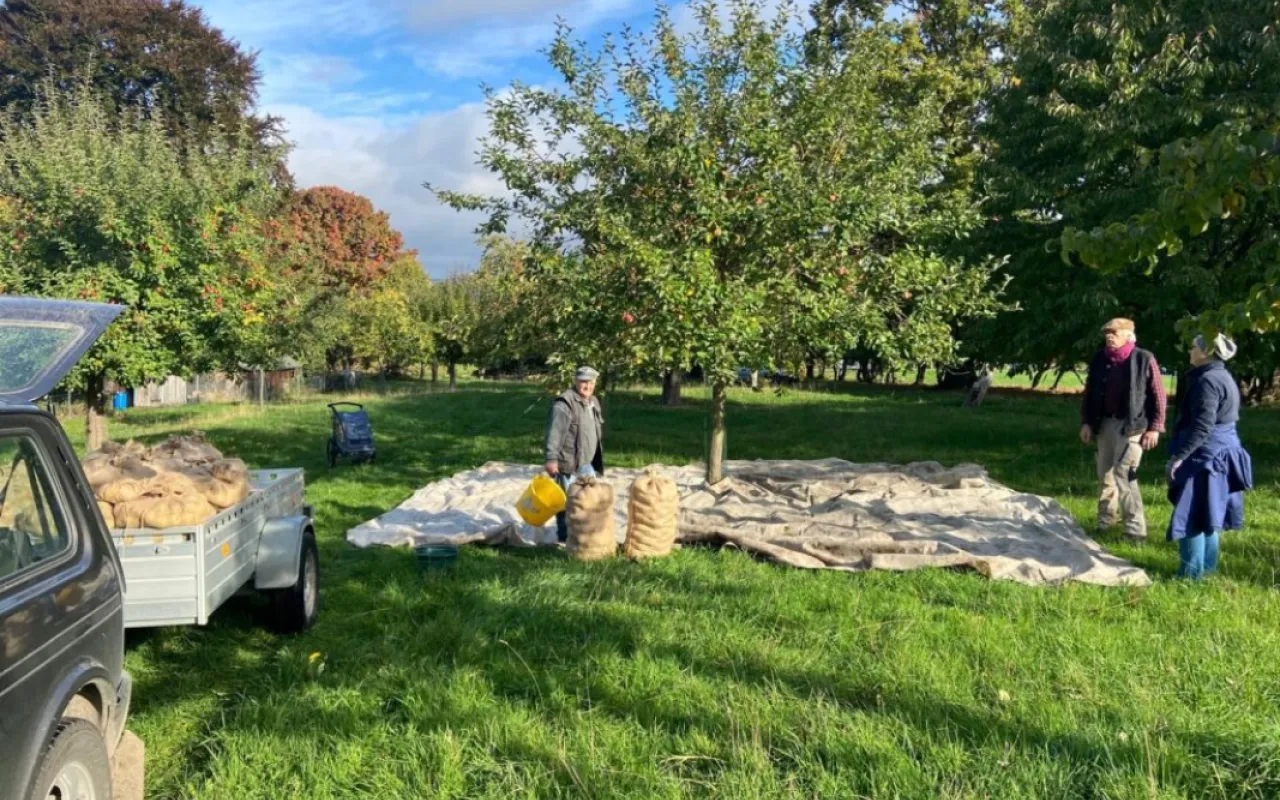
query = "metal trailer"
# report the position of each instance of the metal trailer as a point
(180, 576)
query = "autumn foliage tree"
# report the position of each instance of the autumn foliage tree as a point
(337, 239)
(336, 250)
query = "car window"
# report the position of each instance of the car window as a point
(31, 528)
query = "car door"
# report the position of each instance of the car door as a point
(61, 617)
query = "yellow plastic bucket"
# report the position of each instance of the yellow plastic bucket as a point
(541, 501)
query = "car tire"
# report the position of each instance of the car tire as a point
(294, 609)
(75, 765)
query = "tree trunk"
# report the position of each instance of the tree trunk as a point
(435, 371)
(755, 380)
(95, 420)
(921, 371)
(809, 367)
(715, 458)
(1057, 380)
(671, 388)
(1036, 376)
(844, 371)
(453, 376)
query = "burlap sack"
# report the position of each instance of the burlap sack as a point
(169, 465)
(99, 471)
(190, 449)
(653, 513)
(107, 449)
(132, 467)
(108, 512)
(592, 535)
(132, 448)
(231, 470)
(122, 490)
(130, 514)
(170, 484)
(176, 511)
(223, 494)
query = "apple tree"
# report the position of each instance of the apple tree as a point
(730, 197)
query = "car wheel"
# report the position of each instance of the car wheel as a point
(294, 609)
(75, 764)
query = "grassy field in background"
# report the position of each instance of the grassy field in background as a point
(708, 674)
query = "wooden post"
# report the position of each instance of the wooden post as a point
(262, 388)
(95, 421)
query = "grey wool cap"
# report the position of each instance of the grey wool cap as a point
(586, 374)
(1221, 347)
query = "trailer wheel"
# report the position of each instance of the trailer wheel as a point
(293, 610)
(331, 453)
(75, 764)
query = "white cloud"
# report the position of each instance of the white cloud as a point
(388, 162)
(487, 50)
(341, 73)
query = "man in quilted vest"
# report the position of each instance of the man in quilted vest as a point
(1124, 412)
(575, 437)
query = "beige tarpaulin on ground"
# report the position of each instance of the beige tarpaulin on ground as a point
(828, 514)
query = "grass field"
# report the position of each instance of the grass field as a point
(708, 674)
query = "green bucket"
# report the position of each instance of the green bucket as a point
(432, 557)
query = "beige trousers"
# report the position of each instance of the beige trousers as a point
(1118, 492)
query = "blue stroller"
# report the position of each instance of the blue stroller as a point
(352, 435)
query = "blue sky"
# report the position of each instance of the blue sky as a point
(381, 95)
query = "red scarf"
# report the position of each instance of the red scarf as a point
(1120, 353)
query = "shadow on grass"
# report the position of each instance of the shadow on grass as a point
(532, 625)
(537, 631)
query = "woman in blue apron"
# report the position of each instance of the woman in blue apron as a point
(1209, 470)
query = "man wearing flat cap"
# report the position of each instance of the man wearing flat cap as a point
(1124, 412)
(575, 437)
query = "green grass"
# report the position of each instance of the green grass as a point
(708, 674)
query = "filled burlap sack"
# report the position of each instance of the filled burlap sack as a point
(133, 467)
(179, 510)
(107, 449)
(224, 494)
(130, 514)
(132, 448)
(230, 470)
(108, 512)
(167, 484)
(122, 490)
(190, 449)
(99, 471)
(592, 535)
(170, 465)
(653, 513)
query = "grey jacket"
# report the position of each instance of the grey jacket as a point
(575, 433)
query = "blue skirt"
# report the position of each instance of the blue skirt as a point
(1207, 491)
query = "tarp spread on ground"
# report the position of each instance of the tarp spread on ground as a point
(828, 514)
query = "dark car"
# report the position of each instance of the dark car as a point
(64, 694)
